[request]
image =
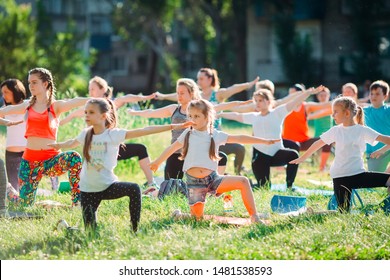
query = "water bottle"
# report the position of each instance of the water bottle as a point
(228, 203)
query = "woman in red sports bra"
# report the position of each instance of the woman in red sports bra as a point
(41, 116)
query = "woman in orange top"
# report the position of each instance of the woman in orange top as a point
(41, 116)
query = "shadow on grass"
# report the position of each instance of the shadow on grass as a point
(260, 231)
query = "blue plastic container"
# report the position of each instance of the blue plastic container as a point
(285, 204)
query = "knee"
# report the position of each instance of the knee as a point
(142, 152)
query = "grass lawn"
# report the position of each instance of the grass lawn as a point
(306, 237)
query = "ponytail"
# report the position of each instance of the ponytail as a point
(212, 151)
(87, 144)
(185, 145)
(360, 115)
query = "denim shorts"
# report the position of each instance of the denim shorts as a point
(198, 188)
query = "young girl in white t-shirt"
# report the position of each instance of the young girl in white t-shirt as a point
(350, 137)
(200, 146)
(101, 141)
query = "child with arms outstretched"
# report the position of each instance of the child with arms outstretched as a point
(101, 141)
(350, 137)
(200, 154)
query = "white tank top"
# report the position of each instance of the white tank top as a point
(15, 133)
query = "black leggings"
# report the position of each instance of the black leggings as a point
(174, 166)
(90, 202)
(303, 146)
(239, 154)
(130, 150)
(12, 164)
(343, 186)
(261, 165)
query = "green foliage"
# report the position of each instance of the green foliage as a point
(28, 43)
(17, 33)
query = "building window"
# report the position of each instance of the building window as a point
(118, 65)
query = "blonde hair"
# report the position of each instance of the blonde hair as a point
(191, 86)
(265, 94)
(347, 103)
(213, 74)
(351, 86)
(102, 84)
(266, 84)
(106, 106)
(207, 109)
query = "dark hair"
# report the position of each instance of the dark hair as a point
(17, 88)
(380, 84)
(105, 106)
(213, 74)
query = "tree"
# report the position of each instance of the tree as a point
(17, 33)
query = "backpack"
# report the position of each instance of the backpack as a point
(172, 186)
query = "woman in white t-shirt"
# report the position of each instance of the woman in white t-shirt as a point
(350, 137)
(101, 141)
(200, 154)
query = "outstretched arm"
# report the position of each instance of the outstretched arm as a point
(224, 93)
(168, 96)
(312, 149)
(163, 112)
(62, 106)
(232, 116)
(156, 129)
(246, 139)
(301, 96)
(8, 122)
(14, 109)
(230, 105)
(248, 108)
(70, 144)
(132, 98)
(75, 114)
(165, 155)
(320, 114)
(380, 152)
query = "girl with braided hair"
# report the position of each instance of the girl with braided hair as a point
(41, 116)
(200, 146)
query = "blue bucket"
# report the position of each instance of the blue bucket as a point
(285, 204)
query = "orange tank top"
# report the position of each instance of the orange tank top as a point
(295, 126)
(38, 125)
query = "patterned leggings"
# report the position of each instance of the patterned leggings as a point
(90, 202)
(31, 172)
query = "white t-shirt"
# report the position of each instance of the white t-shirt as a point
(15, 133)
(350, 144)
(268, 127)
(198, 148)
(98, 174)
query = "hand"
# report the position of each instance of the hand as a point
(55, 146)
(272, 141)
(158, 96)
(316, 90)
(376, 154)
(149, 97)
(182, 125)
(153, 166)
(11, 123)
(251, 84)
(296, 161)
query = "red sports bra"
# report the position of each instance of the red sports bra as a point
(38, 125)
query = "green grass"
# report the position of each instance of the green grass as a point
(347, 236)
